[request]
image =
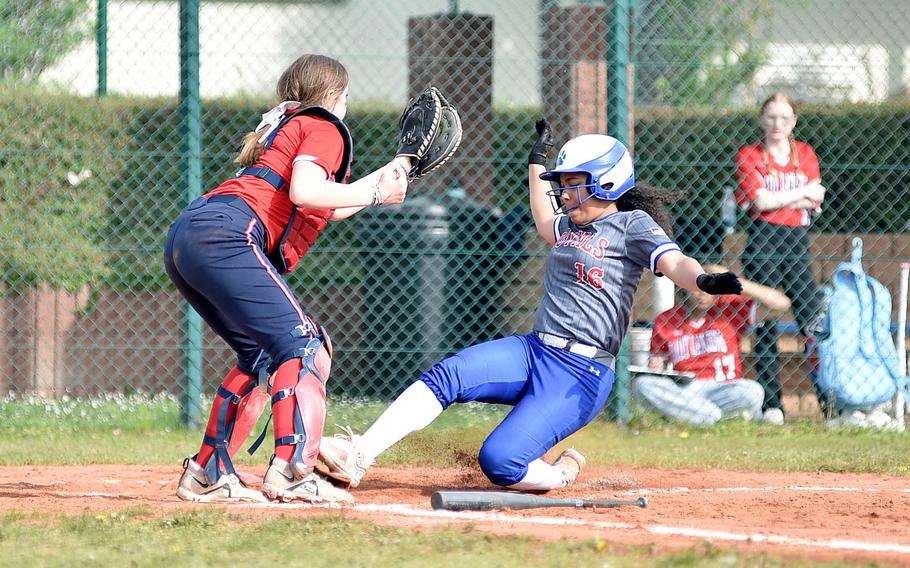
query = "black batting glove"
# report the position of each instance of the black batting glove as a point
(719, 283)
(538, 153)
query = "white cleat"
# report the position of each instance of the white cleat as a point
(851, 419)
(571, 462)
(193, 486)
(880, 419)
(283, 484)
(342, 460)
(773, 416)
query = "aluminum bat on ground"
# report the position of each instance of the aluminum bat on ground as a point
(491, 500)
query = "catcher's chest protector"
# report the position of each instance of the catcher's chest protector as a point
(305, 224)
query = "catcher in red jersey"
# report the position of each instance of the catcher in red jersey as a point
(700, 337)
(779, 185)
(226, 254)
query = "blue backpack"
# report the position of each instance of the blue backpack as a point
(858, 365)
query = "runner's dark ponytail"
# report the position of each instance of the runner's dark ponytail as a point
(654, 201)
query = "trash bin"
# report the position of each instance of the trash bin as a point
(474, 272)
(403, 290)
(429, 273)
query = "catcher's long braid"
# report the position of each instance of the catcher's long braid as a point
(654, 201)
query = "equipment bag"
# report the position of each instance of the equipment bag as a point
(857, 357)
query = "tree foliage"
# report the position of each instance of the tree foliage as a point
(36, 34)
(699, 52)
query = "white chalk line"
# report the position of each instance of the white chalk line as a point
(474, 516)
(765, 489)
(408, 511)
(629, 492)
(66, 494)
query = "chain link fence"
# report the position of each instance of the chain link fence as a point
(96, 165)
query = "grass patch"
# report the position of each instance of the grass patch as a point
(139, 429)
(798, 446)
(209, 537)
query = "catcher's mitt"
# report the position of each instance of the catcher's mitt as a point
(430, 132)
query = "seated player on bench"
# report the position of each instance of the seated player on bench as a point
(699, 339)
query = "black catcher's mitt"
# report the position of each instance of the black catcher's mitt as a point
(430, 132)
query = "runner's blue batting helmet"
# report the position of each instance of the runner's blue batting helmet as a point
(604, 159)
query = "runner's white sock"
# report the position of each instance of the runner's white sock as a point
(413, 410)
(541, 476)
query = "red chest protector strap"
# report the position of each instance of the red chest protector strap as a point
(304, 225)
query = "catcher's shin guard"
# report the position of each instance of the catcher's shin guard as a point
(249, 410)
(213, 455)
(252, 404)
(299, 421)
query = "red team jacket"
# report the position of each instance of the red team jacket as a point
(710, 349)
(756, 169)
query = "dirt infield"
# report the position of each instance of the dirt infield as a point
(823, 516)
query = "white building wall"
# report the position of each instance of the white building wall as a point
(245, 46)
(821, 49)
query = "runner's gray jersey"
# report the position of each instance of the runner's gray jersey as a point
(592, 273)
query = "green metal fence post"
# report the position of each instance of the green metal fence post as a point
(191, 170)
(620, 83)
(101, 46)
(620, 89)
(543, 6)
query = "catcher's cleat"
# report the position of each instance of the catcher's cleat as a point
(194, 486)
(282, 484)
(571, 462)
(340, 459)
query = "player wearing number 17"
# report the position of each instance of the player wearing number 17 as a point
(604, 232)
(700, 336)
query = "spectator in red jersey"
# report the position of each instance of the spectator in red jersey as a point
(700, 337)
(779, 185)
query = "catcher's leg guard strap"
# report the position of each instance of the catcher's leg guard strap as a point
(301, 425)
(225, 416)
(277, 397)
(236, 381)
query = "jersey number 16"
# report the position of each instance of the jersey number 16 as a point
(593, 277)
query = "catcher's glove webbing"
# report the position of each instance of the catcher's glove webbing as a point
(430, 132)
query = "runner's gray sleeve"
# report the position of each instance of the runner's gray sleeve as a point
(560, 225)
(646, 241)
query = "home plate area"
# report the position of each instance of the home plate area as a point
(818, 516)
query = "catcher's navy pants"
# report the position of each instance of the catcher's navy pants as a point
(214, 255)
(554, 394)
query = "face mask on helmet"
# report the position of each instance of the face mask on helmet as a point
(580, 196)
(603, 159)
